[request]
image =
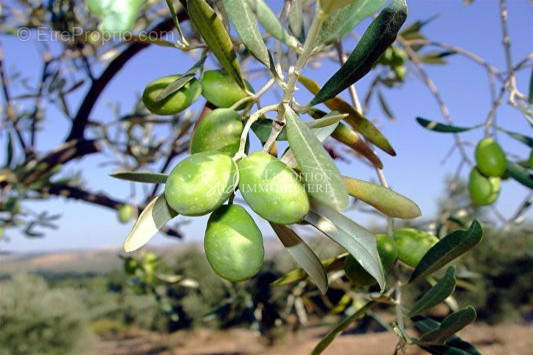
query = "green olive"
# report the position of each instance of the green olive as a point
(272, 189)
(388, 253)
(483, 190)
(490, 158)
(220, 130)
(233, 243)
(175, 102)
(126, 213)
(412, 244)
(221, 90)
(200, 183)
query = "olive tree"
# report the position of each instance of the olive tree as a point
(292, 178)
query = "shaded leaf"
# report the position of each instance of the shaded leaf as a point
(303, 255)
(531, 88)
(337, 329)
(295, 17)
(154, 216)
(354, 118)
(438, 293)
(331, 264)
(520, 174)
(449, 326)
(321, 175)
(385, 200)
(329, 6)
(212, 30)
(271, 23)
(138, 176)
(441, 127)
(352, 139)
(9, 149)
(245, 23)
(436, 57)
(385, 107)
(448, 248)
(345, 19)
(520, 137)
(379, 35)
(357, 240)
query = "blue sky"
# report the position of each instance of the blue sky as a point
(416, 171)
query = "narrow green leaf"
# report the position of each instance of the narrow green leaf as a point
(138, 176)
(436, 294)
(155, 215)
(441, 127)
(449, 326)
(357, 240)
(448, 248)
(212, 30)
(303, 255)
(520, 174)
(340, 327)
(182, 80)
(322, 178)
(455, 343)
(328, 6)
(436, 57)
(379, 35)
(9, 149)
(520, 137)
(295, 17)
(385, 106)
(531, 88)
(271, 23)
(345, 19)
(354, 118)
(330, 119)
(245, 23)
(331, 264)
(385, 200)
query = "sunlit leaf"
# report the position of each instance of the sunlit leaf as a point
(115, 15)
(138, 176)
(329, 6)
(519, 137)
(441, 127)
(385, 200)
(379, 35)
(357, 240)
(321, 175)
(345, 19)
(303, 255)
(271, 23)
(245, 23)
(181, 81)
(531, 88)
(448, 248)
(295, 17)
(154, 216)
(212, 30)
(354, 118)
(337, 329)
(331, 264)
(438, 293)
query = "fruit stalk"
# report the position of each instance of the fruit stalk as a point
(253, 117)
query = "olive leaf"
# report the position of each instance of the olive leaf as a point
(441, 127)
(138, 176)
(454, 345)
(352, 139)
(519, 137)
(354, 118)
(449, 326)
(303, 255)
(448, 248)
(385, 106)
(438, 293)
(328, 6)
(154, 216)
(520, 174)
(321, 175)
(212, 30)
(436, 57)
(271, 23)
(530, 96)
(339, 327)
(331, 264)
(181, 81)
(116, 15)
(9, 150)
(345, 19)
(357, 240)
(379, 35)
(295, 17)
(245, 23)
(385, 200)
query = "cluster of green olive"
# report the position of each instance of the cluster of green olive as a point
(485, 178)
(407, 245)
(201, 183)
